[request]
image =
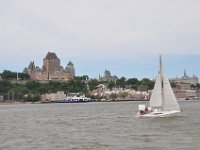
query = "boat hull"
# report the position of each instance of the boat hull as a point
(159, 114)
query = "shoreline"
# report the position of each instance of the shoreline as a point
(119, 100)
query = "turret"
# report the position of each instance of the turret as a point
(70, 70)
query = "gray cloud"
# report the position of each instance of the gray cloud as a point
(99, 28)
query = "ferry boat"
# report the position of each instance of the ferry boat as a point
(74, 99)
(60, 97)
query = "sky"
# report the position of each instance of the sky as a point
(123, 36)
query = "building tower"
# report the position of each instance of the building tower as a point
(31, 69)
(185, 75)
(51, 63)
(70, 70)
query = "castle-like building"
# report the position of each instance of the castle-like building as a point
(108, 77)
(51, 69)
(185, 79)
(183, 86)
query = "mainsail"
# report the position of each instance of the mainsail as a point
(156, 97)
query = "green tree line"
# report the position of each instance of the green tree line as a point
(133, 83)
(32, 90)
(8, 75)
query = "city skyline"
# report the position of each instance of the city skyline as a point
(138, 68)
(125, 37)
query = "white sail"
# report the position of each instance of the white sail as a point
(156, 97)
(169, 99)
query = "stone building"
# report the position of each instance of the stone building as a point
(108, 77)
(183, 86)
(70, 70)
(51, 69)
(51, 63)
(186, 79)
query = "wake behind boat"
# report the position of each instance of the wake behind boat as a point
(163, 101)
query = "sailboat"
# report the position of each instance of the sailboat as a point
(163, 101)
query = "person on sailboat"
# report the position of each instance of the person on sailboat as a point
(142, 112)
(146, 110)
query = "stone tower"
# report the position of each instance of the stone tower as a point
(31, 70)
(107, 74)
(70, 70)
(51, 63)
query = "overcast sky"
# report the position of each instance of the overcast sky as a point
(123, 36)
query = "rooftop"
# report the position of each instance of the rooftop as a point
(51, 55)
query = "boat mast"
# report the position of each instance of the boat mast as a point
(162, 81)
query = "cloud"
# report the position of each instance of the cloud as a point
(93, 29)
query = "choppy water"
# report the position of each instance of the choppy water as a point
(96, 126)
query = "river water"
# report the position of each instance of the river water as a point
(96, 126)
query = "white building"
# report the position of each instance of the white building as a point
(53, 96)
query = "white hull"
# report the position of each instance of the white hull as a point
(159, 114)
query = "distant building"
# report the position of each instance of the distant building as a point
(108, 77)
(186, 79)
(198, 93)
(142, 88)
(1, 98)
(183, 86)
(51, 63)
(0, 77)
(51, 69)
(60, 95)
(70, 70)
(184, 94)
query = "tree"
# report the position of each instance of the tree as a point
(113, 96)
(76, 85)
(198, 86)
(36, 97)
(173, 84)
(133, 82)
(121, 82)
(55, 86)
(32, 85)
(5, 86)
(93, 84)
(13, 75)
(123, 95)
(24, 76)
(19, 90)
(147, 82)
(8, 75)
(111, 84)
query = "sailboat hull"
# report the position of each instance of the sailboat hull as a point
(159, 114)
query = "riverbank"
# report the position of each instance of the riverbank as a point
(7, 102)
